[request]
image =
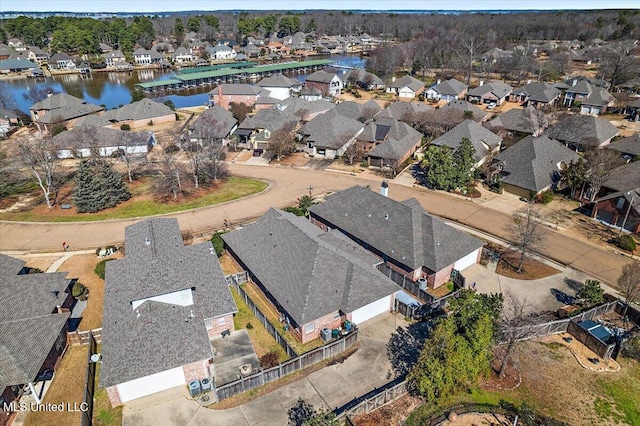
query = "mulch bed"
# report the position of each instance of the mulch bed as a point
(532, 269)
(391, 414)
(510, 380)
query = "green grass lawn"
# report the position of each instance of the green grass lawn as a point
(622, 403)
(263, 342)
(103, 413)
(232, 188)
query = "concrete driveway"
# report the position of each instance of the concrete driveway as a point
(331, 387)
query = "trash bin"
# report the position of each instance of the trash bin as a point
(335, 333)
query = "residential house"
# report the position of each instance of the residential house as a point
(593, 100)
(140, 114)
(164, 303)
(221, 52)
(255, 131)
(495, 54)
(328, 83)
(264, 102)
(520, 121)
(357, 111)
(464, 106)
(62, 62)
(37, 55)
(279, 86)
(389, 142)
(9, 119)
(315, 279)
(17, 44)
(5, 52)
(618, 200)
(34, 308)
(105, 48)
(495, 92)
(363, 79)
(581, 132)
(539, 95)
(402, 234)
(86, 140)
(61, 110)
(330, 134)
(406, 87)
(226, 94)
(532, 165)
(214, 124)
(17, 65)
(147, 57)
(632, 109)
(182, 55)
(115, 59)
(405, 111)
(447, 90)
(628, 147)
(485, 142)
(303, 108)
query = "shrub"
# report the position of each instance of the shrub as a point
(79, 291)
(150, 123)
(632, 348)
(125, 127)
(626, 242)
(218, 243)
(248, 326)
(591, 293)
(364, 163)
(270, 359)
(545, 197)
(100, 268)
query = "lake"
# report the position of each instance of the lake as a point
(113, 89)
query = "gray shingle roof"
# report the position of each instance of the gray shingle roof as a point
(498, 88)
(144, 109)
(625, 180)
(401, 231)
(17, 64)
(538, 91)
(279, 80)
(216, 122)
(363, 77)
(399, 138)
(582, 129)
(321, 77)
(88, 136)
(294, 104)
(630, 145)
(271, 119)
(28, 326)
(597, 96)
(407, 81)
(404, 111)
(356, 110)
(237, 89)
(478, 135)
(518, 120)
(462, 105)
(451, 87)
(63, 107)
(163, 335)
(330, 130)
(532, 163)
(308, 272)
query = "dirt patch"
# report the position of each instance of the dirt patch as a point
(532, 269)
(81, 267)
(229, 266)
(585, 356)
(477, 419)
(511, 378)
(297, 159)
(391, 414)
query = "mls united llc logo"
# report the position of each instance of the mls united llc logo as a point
(32, 406)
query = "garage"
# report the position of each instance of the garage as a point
(151, 384)
(369, 311)
(468, 260)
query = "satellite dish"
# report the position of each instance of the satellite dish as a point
(96, 358)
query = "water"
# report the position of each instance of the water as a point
(114, 89)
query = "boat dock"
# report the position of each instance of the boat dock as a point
(230, 74)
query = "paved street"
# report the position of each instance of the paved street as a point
(289, 183)
(330, 387)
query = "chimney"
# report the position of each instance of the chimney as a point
(575, 81)
(384, 188)
(393, 79)
(439, 81)
(481, 83)
(59, 309)
(528, 81)
(49, 93)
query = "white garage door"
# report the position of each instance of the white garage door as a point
(369, 311)
(467, 261)
(151, 384)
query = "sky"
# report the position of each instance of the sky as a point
(154, 6)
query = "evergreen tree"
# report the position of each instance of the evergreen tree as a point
(439, 168)
(98, 187)
(463, 163)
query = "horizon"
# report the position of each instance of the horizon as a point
(166, 6)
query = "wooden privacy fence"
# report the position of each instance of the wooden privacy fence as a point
(600, 348)
(371, 401)
(288, 367)
(89, 388)
(235, 280)
(83, 338)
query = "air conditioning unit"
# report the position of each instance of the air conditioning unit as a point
(194, 388)
(422, 283)
(325, 333)
(206, 385)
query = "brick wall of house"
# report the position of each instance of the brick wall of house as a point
(225, 100)
(114, 396)
(435, 280)
(196, 370)
(322, 87)
(328, 321)
(6, 418)
(220, 324)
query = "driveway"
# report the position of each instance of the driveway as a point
(331, 387)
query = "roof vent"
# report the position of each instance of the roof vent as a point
(147, 241)
(211, 250)
(386, 217)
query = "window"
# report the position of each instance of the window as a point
(336, 315)
(267, 134)
(309, 328)
(620, 203)
(222, 321)
(208, 324)
(322, 151)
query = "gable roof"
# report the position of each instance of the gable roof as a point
(625, 180)
(478, 135)
(279, 80)
(29, 322)
(451, 87)
(362, 76)
(404, 111)
(582, 129)
(538, 91)
(531, 163)
(215, 121)
(518, 120)
(462, 105)
(61, 56)
(166, 335)
(629, 145)
(331, 130)
(236, 89)
(498, 88)
(321, 77)
(295, 104)
(402, 231)
(399, 138)
(17, 64)
(597, 96)
(85, 136)
(407, 81)
(144, 109)
(356, 110)
(271, 119)
(63, 107)
(309, 272)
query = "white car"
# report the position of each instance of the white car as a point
(492, 105)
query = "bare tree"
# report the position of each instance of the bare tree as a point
(282, 141)
(629, 284)
(470, 44)
(40, 156)
(130, 160)
(514, 324)
(6, 99)
(537, 119)
(600, 163)
(354, 153)
(170, 172)
(525, 231)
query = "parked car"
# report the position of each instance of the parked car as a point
(492, 105)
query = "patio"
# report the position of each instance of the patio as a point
(229, 354)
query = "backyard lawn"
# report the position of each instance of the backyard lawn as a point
(141, 203)
(103, 413)
(271, 313)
